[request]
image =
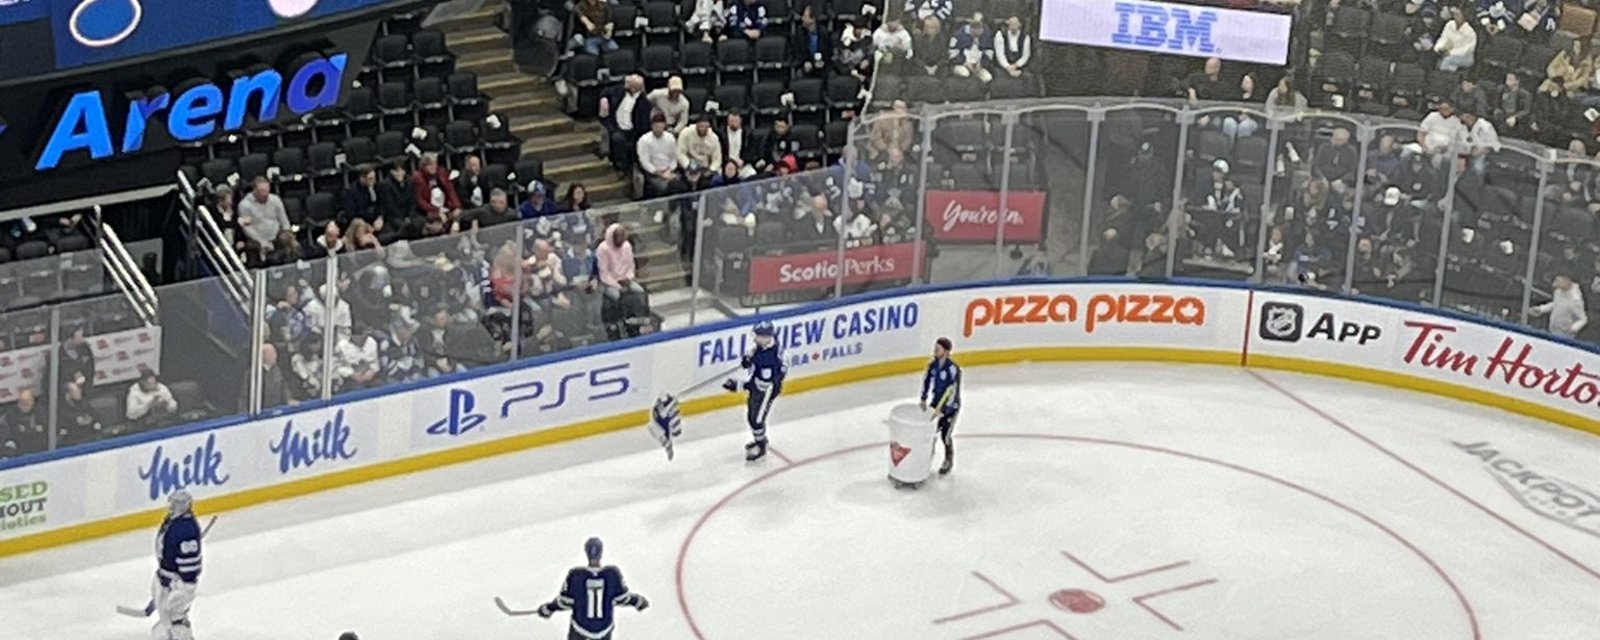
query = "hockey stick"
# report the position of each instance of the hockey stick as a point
(150, 607)
(691, 389)
(512, 612)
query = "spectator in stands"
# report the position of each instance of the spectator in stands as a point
(972, 50)
(1571, 69)
(699, 145)
(399, 354)
(355, 361)
(435, 196)
(1151, 260)
(537, 203)
(24, 427)
(615, 262)
(1283, 99)
(1516, 104)
(316, 311)
(1335, 161)
(1206, 84)
(671, 104)
(150, 402)
(738, 146)
(498, 211)
(577, 198)
(363, 237)
(305, 367)
(1481, 139)
(1552, 109)
(658, 159)
(274, 384)
(706, 20)
(330, 243)
(397, 202)
(262, 216)
(1567, 311)
(76, 421)
(1013, 48)
(1242, 124)
(1457, 42)
(1469, 96)
(77, 357)
(812, 44)
(892, 43)
(224, 212)
(435, 343)
(1384, 161)
(360, 200)
(470, 186)
(592, 33)
(920, 9)
(930, 47)
(625, 112)
(1440, 128)
(817, 227)
(855, 57)
(745, 19)
(1112, 256)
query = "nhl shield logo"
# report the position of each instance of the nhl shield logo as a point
(1281, 321)
(897, 452)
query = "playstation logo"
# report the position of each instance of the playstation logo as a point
(462, 417)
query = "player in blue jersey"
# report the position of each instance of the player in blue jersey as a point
(767, 371)
(592, 593)
(943, 383)
(177, 569)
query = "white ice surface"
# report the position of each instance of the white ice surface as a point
(1264, 518)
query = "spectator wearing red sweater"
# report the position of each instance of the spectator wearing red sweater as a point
(435, 195)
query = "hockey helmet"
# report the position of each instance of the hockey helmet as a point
(592, 548)
(764, 329)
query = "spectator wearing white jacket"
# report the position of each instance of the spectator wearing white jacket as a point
(1013, 48)
(1457, 42)
(699, 145)
(1568, 314)
(150, 401)
(355, 360)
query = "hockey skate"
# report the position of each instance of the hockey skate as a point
(949, 463)
(756, 450)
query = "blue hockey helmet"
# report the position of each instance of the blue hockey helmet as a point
(592, 548)
(765, 329)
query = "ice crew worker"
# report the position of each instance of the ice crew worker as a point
(943, 381)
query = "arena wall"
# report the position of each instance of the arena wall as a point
(107, 488)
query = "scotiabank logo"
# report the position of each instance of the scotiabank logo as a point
(1102, 309)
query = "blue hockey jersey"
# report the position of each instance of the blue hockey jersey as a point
(943, 380)
(767, 370)
(593, 595)
(178, 549)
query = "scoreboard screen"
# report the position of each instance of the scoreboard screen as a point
(45, 36)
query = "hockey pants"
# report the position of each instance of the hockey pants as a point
(756, 408)
(172, 609)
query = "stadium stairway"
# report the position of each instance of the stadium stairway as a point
(570, 149)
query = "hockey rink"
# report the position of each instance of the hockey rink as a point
(1090, 501)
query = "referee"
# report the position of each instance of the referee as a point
(943, 381)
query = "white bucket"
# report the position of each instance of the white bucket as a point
(911, 435)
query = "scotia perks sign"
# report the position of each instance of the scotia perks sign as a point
(816, 270)
(1522, 365)
(973, 216)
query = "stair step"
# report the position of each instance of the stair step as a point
(510, 83)
(542, 125)
(563, 145)
(525, 105)
(477, 18)
(485, 38)
(608, 192)
(488, 62)
(576, 167)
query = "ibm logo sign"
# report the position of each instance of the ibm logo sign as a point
(1164, 27)
(1150, 26)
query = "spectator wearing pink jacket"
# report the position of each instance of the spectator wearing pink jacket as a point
(615, 258)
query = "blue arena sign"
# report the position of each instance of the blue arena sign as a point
(195, 112)
(1164, 27)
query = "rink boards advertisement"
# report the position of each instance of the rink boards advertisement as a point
(113, 487)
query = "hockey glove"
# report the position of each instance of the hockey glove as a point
(744, 361)
(640, 602)
(544, 611)
(730, 384)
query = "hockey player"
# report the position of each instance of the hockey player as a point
(943, 380)
(767, 371)
(592, 593)
(178, 569)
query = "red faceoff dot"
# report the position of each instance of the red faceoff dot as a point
(1077, 600)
